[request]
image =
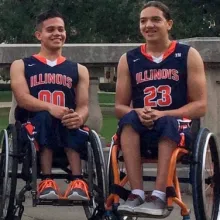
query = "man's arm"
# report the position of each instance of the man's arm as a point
(123, 88)
(21, 91)
(82, 93)
(123, 104)
(197, 91)
(24, 98)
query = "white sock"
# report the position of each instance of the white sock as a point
(139, 192)
(159, 194)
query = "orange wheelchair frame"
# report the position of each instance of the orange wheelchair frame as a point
(195, 157)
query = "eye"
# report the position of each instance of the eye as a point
(50, 29)
(61, 29)
(156, 19)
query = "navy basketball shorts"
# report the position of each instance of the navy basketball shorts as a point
(52, 134)
(175, 129)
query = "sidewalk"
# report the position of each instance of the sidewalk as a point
(77, 213)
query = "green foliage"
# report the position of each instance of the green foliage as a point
(107, 21)
(4, 74)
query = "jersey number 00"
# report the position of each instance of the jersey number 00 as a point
(56, 97)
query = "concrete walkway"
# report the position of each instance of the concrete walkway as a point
(77, 213)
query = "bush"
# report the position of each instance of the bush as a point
(5, 87)
(107, 87)
(4, 74)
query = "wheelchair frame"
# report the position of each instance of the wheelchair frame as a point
(12, 154)
(100, 206)
(195, 157)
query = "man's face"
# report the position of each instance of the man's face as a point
(52, 33)
(153, 24)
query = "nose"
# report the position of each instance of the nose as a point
(56, 32)
(149, 23)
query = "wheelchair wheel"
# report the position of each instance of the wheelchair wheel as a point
(206, 176)
(8, 172)
(96, 181)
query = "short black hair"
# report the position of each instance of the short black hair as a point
(161, 6)
(47, 15)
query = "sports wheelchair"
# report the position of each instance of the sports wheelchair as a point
(19, 159)
(203, 160)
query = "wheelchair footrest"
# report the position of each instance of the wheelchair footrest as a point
(142, 215)
(62, 202)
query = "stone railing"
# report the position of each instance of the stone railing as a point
(98, 56)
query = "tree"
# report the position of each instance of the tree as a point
(106, 21)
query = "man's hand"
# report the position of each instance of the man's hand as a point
(155, 114)
(145, 117)
(58, 111)
(72, 120)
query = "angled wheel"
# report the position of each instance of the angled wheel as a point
(8, 171)
(95, 167)
(206, 176)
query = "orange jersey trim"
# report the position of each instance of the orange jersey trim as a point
(169, 51)
(60, 59)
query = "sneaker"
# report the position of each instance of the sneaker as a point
(77, 190)
(132, 201)
(48, 189)
(155, 206)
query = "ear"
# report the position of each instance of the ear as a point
(169, 25)
(38, 35)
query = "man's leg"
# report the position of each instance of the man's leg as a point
(74, 161)
(167, 127)
(47, 188)
(130, 145)
(78, 188)
(46, 157)
(166, 148)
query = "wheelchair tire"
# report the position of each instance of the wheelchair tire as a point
(98, 187)
(8, 172)
(201, 184)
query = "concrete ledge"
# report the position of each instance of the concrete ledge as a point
(105, 54)
(5, 104)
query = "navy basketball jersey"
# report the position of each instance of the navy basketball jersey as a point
(159, 85)
(50, 81)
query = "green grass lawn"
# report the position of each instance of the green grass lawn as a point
(109, 127)
(106, 98)
(4, 117)
(5, 96)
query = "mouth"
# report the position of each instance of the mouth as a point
(57, 39)
(150, 32)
